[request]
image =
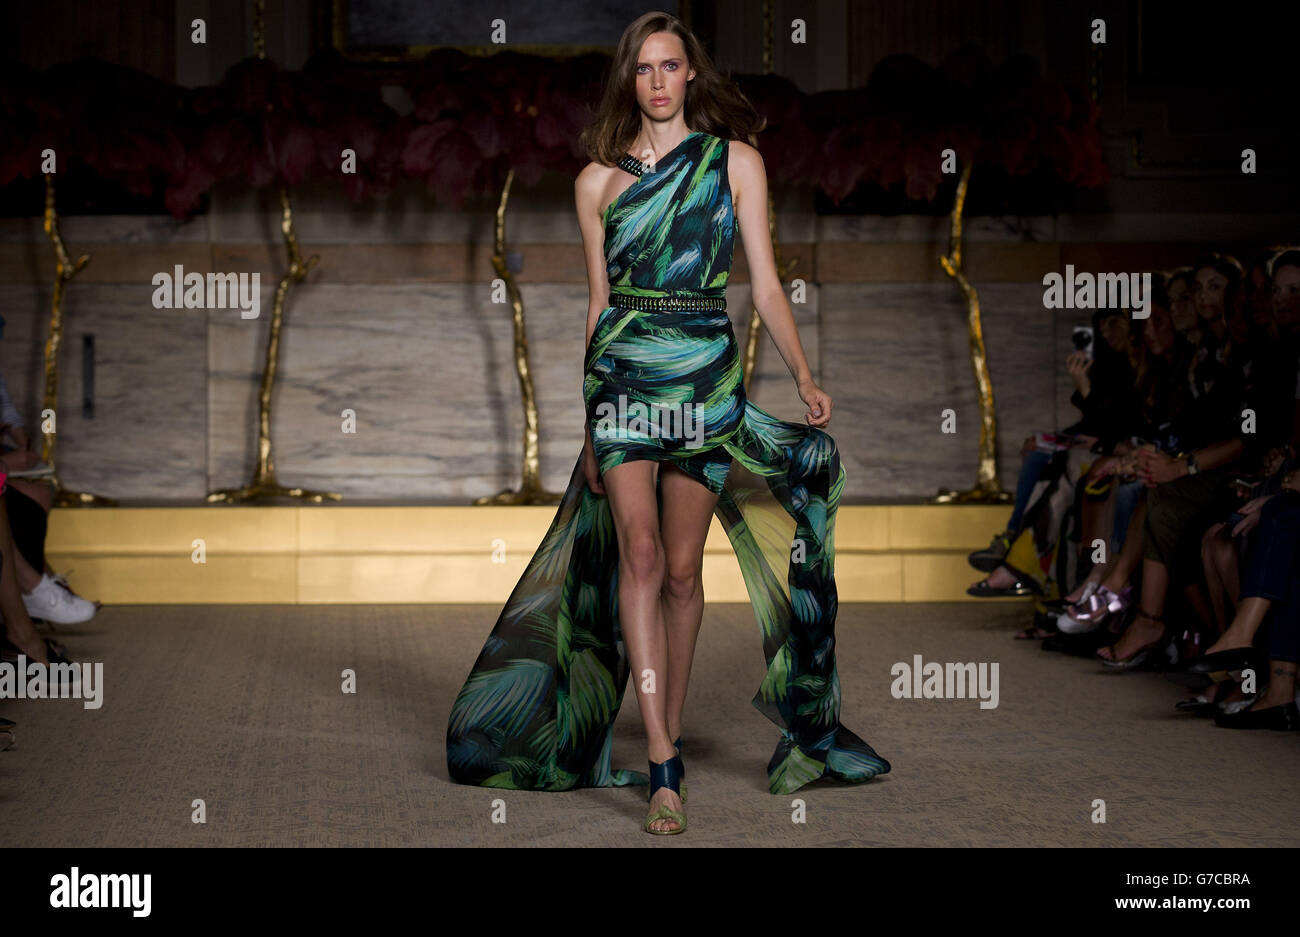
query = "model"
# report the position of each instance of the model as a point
(615, 587)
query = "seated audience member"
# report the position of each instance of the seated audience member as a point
(1270, 591)
(21, 636)
(46, 594)
(1053, 463)
(1189, 490)
(1182, 306)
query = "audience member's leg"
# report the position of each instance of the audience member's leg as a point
(1034, 479)
(1031, 470)
(1097, 573)
(1119, 573)
(1284, 647)
(1029, 554)
(28, 524)
(1219, 562)
(1128, 497)
(18, 624)
(39, 491)
(1171, 510)
(42, 492)
(1095, 522)
(1148, 625)
(1269, 572)
(1275, 708)
(1107, 605)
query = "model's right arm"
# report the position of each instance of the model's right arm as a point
(587, 192)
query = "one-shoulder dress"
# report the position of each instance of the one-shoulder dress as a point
(663, 381)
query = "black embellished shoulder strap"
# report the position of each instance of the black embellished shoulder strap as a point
(631, 164)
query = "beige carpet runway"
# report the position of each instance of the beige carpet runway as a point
(241, 707)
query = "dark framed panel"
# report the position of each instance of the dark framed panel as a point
(396, 31)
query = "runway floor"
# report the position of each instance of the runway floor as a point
(242, 708)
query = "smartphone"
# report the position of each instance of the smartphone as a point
(1244, 488)
(1083, 338)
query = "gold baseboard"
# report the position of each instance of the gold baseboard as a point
(342, 554)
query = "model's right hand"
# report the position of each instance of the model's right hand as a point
(591, 468)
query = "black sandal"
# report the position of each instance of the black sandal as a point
(1143, 654)
(982, 590)
(56, 652)
(1044, 627)
(1200, 706)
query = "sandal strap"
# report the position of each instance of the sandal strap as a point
(665, 813)
(666, 774)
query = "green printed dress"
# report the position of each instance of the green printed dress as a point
(663, 382)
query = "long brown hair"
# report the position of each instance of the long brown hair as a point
(714, 104)
(1161, 385)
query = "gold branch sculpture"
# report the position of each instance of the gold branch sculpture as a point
(530, 490)
(64, 270)
(264, 483)
(987, 489)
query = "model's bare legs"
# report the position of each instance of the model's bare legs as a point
(687, 512)
(630, 488)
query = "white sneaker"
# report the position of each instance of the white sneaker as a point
(52, 602)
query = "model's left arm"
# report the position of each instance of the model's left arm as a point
(749, 183)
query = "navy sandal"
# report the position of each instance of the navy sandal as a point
(666, 774)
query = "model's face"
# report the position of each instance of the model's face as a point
(1207, 289)
(1181, 305)
(1159, 331)
(661, 76)
(1286, 296)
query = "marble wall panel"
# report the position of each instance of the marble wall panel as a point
(145, 436)
(428, 366)
(895, 356)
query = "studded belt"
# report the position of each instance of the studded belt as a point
(670, 300)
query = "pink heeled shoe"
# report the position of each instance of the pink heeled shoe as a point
(1089, 614)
